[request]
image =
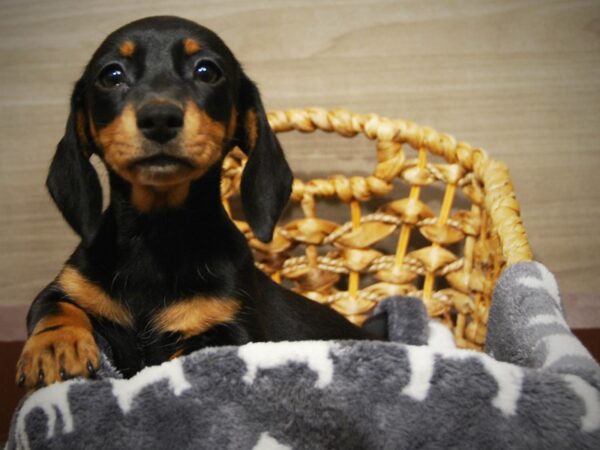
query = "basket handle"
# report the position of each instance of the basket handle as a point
(503, 207)
(499, 196)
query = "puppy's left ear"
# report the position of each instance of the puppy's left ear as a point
(267, 179)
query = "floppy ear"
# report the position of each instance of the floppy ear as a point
(267, 179)
(72, 180)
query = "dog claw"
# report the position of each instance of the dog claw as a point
(21, 381)
(91, 369)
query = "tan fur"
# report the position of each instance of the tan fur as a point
(200, 141)
(232, 123)
(195, 315)
(202, 138)
(68, 348)
(126, 49)
(191, 46)
(251, 128)
(120, 141)
(69, 315)
(93, 130)
(177, 354)
(81, 134)
(92, 298)
(151, 198)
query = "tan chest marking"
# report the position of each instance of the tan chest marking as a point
(196, 315)
(92, 298)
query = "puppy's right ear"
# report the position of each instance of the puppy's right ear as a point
(72, 180)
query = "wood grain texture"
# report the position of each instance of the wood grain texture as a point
(518, 78)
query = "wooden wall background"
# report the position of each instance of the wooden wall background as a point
(518, 78)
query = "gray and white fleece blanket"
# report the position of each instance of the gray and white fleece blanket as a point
(535, 387)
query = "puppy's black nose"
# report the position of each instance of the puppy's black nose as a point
(160, 122)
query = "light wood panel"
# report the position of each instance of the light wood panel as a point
(519, 78)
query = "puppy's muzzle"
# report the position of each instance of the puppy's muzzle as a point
(160, 122)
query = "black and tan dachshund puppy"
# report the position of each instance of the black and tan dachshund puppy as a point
(163, 271)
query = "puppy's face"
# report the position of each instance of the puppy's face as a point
(160, 101)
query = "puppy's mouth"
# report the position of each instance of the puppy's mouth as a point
(161, 168)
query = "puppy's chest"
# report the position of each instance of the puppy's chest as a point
(175, 326)
(147, 320)
(145, 292)
(148, 303)
(171, 301)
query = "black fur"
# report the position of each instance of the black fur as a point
(72, 181)
(149, 260)
(267, 179)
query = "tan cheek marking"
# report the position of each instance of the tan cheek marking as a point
(120, 141)
(92, 298)
(126, 49)
(196, 315)
(251, 128)
(203, 138)
(191, 46)
(201, 124)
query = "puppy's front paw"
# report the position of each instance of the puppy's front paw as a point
(57, 354)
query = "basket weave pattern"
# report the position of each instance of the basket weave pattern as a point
(342, 264)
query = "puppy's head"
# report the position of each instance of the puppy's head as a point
(161, 102)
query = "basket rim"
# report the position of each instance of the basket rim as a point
(499, 195)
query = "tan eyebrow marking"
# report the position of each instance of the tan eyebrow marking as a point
(126, 49)
(191, 46)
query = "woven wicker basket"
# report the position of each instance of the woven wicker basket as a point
(450, 258)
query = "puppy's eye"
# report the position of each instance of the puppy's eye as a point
(207, 72)
(112, 76)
